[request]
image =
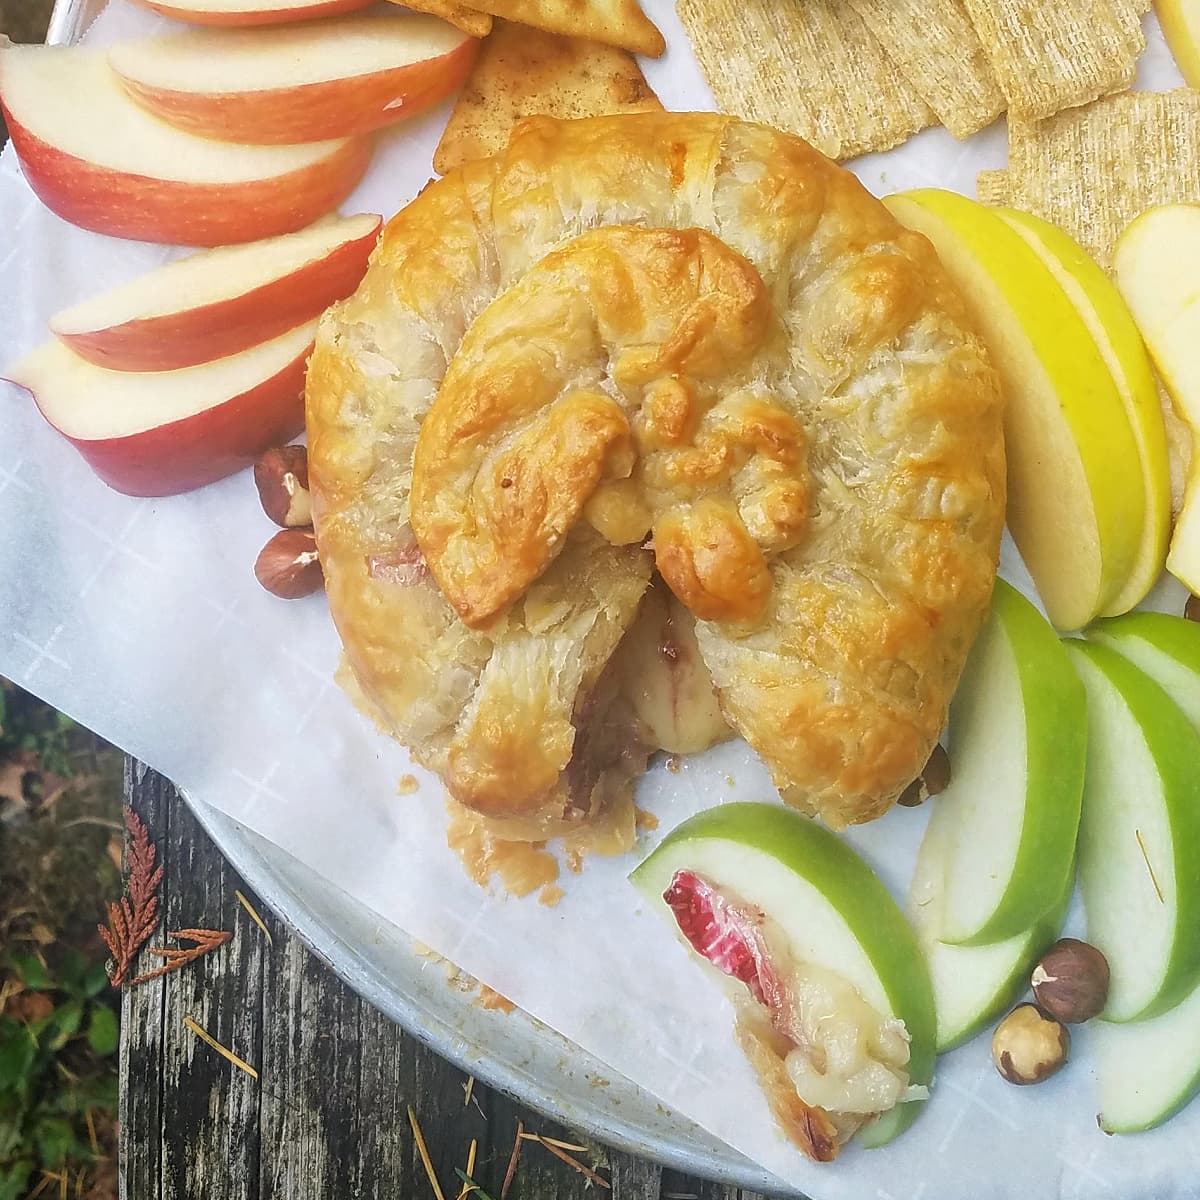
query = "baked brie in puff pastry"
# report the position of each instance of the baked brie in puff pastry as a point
(670, 342)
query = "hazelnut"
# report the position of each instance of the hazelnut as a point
(288, 567)
(1071, 981)
(281, 476)
(932, 781)
(1029, 1045)
(1191, 610)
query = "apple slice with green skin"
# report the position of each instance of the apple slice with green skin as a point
(832, 911)
(316, 80)
(1138, 867)
(1157, 268)
(972, 985)
(1166, 648)
(1180, 21)
(251, 12)
(97, 159)
(1076, 497)
(1018, 734)
(219, 302)
(1148, 1070)
(1116, 335)
(162, 432)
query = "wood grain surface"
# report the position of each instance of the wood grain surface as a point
(327, 1119)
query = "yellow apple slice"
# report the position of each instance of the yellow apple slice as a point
(1157, 265)
(1076, 498)
(1107, 316)
(305, 83)
(98, 160)
(1180, 21)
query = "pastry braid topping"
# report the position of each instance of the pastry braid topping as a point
(620, 381)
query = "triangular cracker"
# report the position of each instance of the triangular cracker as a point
(812, 68)
(469, 20)
(1092, 170)
(521, 72)
(936, 46)
(1048, 57)
(614, 22)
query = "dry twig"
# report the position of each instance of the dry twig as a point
(511, 1173)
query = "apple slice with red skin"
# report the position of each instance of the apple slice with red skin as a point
(219, 302)
(251, 12)
(162, 432)
(320, 79)
(100, 161)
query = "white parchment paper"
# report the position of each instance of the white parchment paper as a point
(142, 619)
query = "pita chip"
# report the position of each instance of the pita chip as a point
(521, 72)
(614, 22)
(469, 20)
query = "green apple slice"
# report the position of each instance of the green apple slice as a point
(1166, 648)
(1116, 335)
(1138, 866)
(1148, 1070)
(1018, 732)
(1076, 497)
(832, 910)
(1157, 268)
(972, 985)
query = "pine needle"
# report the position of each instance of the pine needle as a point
(468, 1188)
(255, 917)
(468, 1090)
(541, 1137)
(92, 1138)
(511, 1173)
(585, 1171)
(1137, 833)
(423, 1151)
(224, 1051)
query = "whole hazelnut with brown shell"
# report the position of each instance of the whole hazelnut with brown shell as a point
(288, 565)
(281, 476)
(1029, 1045)
(1071, 981)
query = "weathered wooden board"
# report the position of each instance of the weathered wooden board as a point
(327, 1119)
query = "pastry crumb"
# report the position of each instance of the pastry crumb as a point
(407, 785)
(730, 781)
(645, 821)
(674, 764)
(550, 895)
(493, 1001)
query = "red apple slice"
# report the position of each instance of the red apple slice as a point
(100, 161)
(162, 432)
(320, 79)
(219, 302)
(251, 12)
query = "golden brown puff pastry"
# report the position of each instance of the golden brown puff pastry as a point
(671, 340)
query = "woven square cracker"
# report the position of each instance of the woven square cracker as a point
(614, 22)
(1051, 56)
(936, 46)
(812, 68)
(469, 20)
(521, 72)
(991, 188)
(1092, 170)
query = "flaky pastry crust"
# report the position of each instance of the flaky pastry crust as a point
(680, 325)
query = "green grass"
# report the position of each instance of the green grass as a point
(60, 822)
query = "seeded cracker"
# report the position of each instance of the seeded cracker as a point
(521, 72)
(991, 188)
(469, 20)
(812, 68)
(614, 22)
(1048, 56)
(936, 46)
(1092, 170)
